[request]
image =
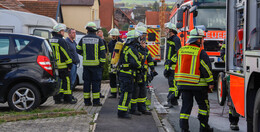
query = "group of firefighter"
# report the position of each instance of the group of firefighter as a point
(187, 68)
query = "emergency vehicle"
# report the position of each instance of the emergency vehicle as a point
(211, 14)
(153, 40)
(241, 80)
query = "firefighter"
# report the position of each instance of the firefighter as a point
(92, 48)
(233, 119)
(173, 45)
(112, 75)
(128, 63)
(64, 63)
(194, 78)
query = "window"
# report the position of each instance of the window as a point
(4, 45)
(42, 33)
(151, 36)
(21, 43)
(3, 30)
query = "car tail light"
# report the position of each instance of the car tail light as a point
(45, 63)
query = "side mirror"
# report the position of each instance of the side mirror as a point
(179, 25)
(180, 15)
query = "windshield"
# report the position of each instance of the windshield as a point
(212, 19)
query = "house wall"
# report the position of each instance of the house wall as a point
(78, 16)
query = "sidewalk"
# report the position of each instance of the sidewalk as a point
(109, 122)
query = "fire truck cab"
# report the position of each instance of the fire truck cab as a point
(209, 14)
(241, 80)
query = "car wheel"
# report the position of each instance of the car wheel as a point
(256, 114)
(222, 90)
(23, 97)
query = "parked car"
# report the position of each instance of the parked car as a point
(27, 71)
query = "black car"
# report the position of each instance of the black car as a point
(28, 74)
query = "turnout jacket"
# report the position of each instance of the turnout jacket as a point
(92, 48)
(173, 45)
(61, 51)
(193, 69)
(129, 61)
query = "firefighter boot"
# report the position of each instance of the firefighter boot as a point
(234, 127)
(206, 129)
(185, 130)
(146, 112)
(112, 96)
(123, 114)
(174, 101)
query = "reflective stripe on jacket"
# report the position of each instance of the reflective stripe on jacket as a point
(61, 55)
(92, 49)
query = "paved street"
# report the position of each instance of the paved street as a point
(217, 120)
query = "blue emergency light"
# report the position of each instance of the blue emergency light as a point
(158, 26)
(131, 26)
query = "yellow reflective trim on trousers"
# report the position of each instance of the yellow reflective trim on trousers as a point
(69, 60)
(86, 95)
(203, 112)
(125, 65)
(141, 100)
(169, 53)
(113, 90)
(184, 116)
(207, 104)
(68, 91)
(133, 101)
(122, 108)
(102, 47)
(96, 95)
(166, 67)
(206, 67)
(125, 98)
(61, 89)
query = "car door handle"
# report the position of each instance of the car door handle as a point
(5, 60)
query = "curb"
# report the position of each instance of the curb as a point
(11, 118)
(93, 127)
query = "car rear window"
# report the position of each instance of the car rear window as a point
(4, 45)
(21, 43)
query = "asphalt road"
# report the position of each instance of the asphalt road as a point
(218, 115)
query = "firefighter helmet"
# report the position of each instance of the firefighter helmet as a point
(141, 29)
(59, 27)
(133, 34)
(170, 26)
(114, 32)
(195, 34)
(91, 25)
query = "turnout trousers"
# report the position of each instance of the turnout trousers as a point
(113, 83)
(126, 86)
(201, 97)
(64, 83)
(92, 76)
(173, 90)
(139, 97)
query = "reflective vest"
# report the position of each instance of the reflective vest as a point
(61, 56)
(188, 64)
(91, 49)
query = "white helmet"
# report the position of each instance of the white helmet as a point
(170, 26)
(59, 27)
(114, 32)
